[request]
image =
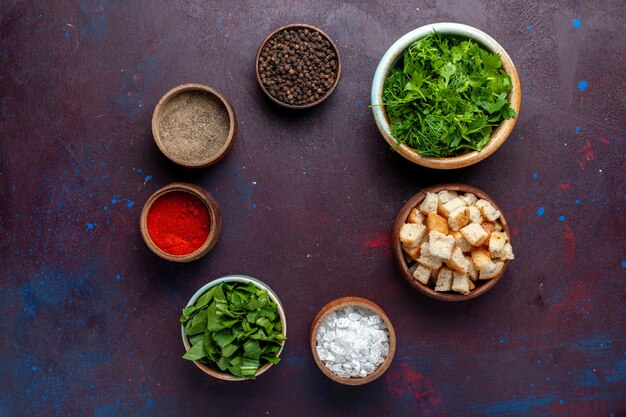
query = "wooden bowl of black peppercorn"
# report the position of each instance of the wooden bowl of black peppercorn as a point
(298, 66)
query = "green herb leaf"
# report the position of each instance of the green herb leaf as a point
(194, 309)
(229, 350)
(236, 328)
(446, 96)
(272, 359)
(223, 337)
(196, 338)
(249, 367)
(198, 323)
(223, 363)
(251, 317)
(195, 352)
(252, 349)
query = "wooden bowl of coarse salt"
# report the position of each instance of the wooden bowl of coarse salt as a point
(194, 126)
(352, 341)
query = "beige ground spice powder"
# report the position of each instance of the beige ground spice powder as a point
(194, 125)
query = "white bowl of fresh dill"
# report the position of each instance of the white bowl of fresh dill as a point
(445, 95)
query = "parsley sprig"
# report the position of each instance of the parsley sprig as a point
(446, 95)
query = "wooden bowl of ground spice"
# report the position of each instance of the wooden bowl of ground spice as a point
(194, 126)
(352, 341)
(181, 222)
(298, 66)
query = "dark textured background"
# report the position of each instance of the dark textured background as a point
(88, 316)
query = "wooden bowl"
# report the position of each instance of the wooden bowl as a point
(235, 278)
(481, 286)
(214, 214)
(352, 302)
(388, 62)
(298, 26)
(199, 160)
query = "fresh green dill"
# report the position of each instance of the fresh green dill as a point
(445, 96)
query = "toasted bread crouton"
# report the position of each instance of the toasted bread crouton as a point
(444, 280)
(497, 226)
(506, 253)
(474, 234)
(488, 227)
(490, 270)
(472, 272)
(466, 200)
(411, 234)
(433, 275)
(480, 257)
(413, 253)
(461, 242)
(496, 242)
(430, 203)
(422, 274)
(460, 283)
(458, 261)
(427, 259)
(440, 245)
(474, 215)
(437, 223)
(445, 196)
(450, 206)
(416, 217)
(458, 218)
(487, 209)
(469, 199)
(471, 285)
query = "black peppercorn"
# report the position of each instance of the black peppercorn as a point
(298, 66)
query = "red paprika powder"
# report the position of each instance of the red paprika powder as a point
(178, 223)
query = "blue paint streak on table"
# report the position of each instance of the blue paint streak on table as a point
(88, 316)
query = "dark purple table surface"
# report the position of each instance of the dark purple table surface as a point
(88, 316)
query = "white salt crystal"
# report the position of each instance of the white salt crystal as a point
(342, 323)
(354, 316)
(352, 342)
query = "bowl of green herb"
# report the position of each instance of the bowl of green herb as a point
(445, 96)
(234, 328)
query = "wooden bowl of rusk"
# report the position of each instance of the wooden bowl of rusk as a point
(475, 264)
(365, 310)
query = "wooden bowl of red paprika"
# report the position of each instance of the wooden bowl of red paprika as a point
(181, 222)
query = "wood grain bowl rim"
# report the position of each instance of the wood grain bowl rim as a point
(232, 129)
(498, 137)
(292, 26)
(397, 247)
(338, 304)
(214, 213)
(224, 376)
